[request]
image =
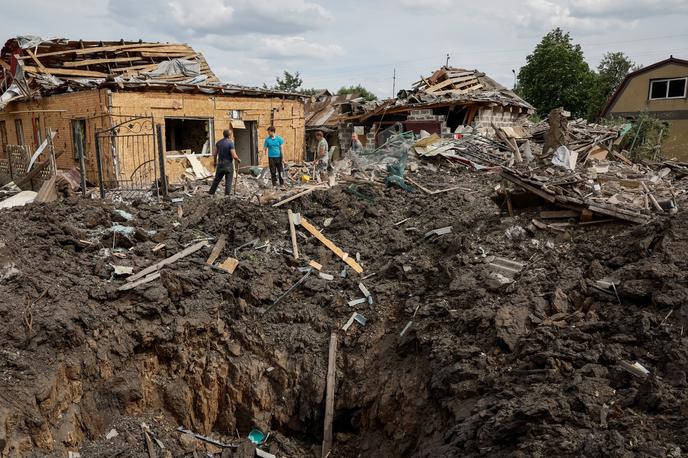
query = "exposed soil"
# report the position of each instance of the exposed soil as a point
(530, 368)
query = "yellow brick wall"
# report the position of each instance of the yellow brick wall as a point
(288, 118)
(57, 112)
(92, 106)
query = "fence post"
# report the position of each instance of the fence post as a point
(161, 157)
(100, 169)
(82, 166)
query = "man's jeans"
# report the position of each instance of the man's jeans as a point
(224, 169)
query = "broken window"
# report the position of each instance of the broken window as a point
(188, 136)
(20, 131)
(3, 136)
(79, 137)
(668, 88)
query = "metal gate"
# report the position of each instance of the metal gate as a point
(130, 158)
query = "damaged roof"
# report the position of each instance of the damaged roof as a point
(450, 86)
(31, 67)
(327, 110)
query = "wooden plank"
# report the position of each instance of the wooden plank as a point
(114, 60)
(95, 49)
(142, 281)
(159, 49)
(316, 265)
(559, 214)
(164, 54)
(47, 193)
(172, 259)
(66, 72)
(301, 194)
(329, 396)
(5, 65)
(292, 230)
(41, 67)
(217, 249)
(140, 68)
(457, 81)
(336, 250)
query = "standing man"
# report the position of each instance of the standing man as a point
(274, 148)
(322, 156)
(356, 145)
(224, 167)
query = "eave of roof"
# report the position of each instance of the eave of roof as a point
(615, 96)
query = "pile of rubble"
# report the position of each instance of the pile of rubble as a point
(460, 331)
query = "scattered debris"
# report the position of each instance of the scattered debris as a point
(230, 265)
(111, 434)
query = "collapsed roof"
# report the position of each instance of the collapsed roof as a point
(31, 67)
(450, 86)
(325, 110)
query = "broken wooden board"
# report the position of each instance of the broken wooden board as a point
(172, 259)
(65, 72)
(335, 249)
(47, 193)
(217, 249)
(198, 169)
(315, 265)
(230, 265)
(142, 281)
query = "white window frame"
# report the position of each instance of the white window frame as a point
(668, 81)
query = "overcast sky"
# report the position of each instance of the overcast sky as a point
(335, 43)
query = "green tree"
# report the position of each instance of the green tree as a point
(613, 67)
(556, 75)
(290, 82)
(358, 89)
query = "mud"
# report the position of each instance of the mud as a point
(528, 368)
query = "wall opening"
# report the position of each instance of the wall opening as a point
(246, 143)
(19, 128)
(79, 137)
(187, 136)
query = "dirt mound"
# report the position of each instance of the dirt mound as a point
(489, 365)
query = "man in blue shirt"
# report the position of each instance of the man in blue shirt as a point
(224, 167)
(274, 148)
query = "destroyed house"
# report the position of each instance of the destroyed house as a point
(444, 103)
(131, 110)
(327, 113)
(661, 90)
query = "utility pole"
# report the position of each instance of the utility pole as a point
(394, 84)
(447, 64)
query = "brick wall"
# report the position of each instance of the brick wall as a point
(56, 113)
(499, 116)
(287, 115)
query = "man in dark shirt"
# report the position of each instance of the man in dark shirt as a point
(224, 167)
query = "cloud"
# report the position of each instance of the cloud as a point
(629, 9)
(268, 47)
(590, 15)
(426, 4)
(546, 14)
(198, 18)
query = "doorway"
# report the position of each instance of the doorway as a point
(246, 143)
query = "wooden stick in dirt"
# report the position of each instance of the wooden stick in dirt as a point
(329, 397)
(292, 230)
